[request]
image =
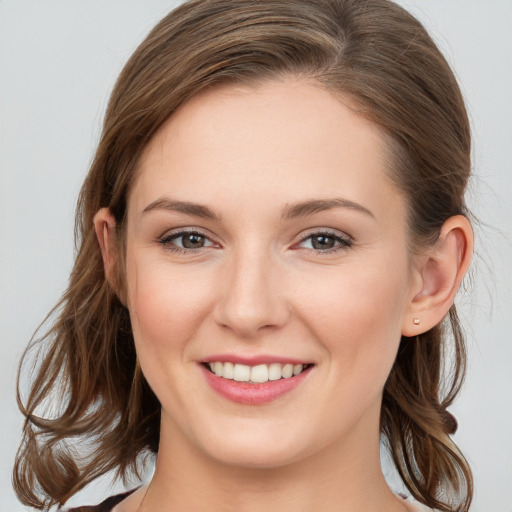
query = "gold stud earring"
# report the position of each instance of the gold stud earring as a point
(416, 321)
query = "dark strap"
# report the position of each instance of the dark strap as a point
(104, 506)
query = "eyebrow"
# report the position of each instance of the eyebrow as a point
(306, 208)
(189, 208)
(290, 211)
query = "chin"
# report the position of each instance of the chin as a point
(254, 456)
(256, 446)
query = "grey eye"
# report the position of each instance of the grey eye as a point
(322, 242)
(192, 241)
(186, 240)
(325, 242)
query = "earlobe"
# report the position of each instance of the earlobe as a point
(441, 272)
(105, 228)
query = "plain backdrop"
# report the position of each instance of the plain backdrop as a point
(58, 63)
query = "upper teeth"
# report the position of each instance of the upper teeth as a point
(257, 374)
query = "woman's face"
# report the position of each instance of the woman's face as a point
(264, 234)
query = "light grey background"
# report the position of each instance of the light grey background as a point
(58, 62)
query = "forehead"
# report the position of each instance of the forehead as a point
(285, 140)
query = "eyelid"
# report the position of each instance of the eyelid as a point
(325, 231)
(186, 229)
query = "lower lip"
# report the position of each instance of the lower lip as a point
(253, 394)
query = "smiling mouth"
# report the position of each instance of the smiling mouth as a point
(257, 374)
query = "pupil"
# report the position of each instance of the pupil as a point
(323, 242)
(193, 241)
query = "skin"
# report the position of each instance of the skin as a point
(260, 286)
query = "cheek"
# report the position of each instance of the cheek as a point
(356, 313)
(165, 307)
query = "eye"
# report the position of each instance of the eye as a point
(184, 241)
(325, 241)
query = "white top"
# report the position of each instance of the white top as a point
(413, 506)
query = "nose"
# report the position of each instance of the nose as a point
(251, 296)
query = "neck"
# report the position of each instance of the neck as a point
(341, 477)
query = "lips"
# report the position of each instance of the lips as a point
(256, 380)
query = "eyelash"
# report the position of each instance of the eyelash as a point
(343, 242)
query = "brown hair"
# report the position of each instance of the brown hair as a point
(372, 52)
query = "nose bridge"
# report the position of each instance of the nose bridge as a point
(251, 298)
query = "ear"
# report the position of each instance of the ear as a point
(440, 271)
(105, 227)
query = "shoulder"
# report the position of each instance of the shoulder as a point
(105, 506)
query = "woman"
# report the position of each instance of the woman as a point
(272, 234)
